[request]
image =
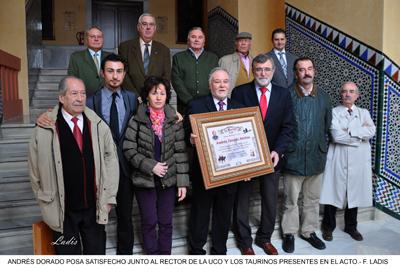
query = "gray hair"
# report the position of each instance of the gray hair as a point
(93, 27)
(195, 28)
(262, 58)
(62, 86)
(216, 69)
(349, 82)
(144, 15)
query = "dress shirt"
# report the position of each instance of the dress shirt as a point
(67, 117)
(267, 94)
(92, 53)
(106, 101)
(196, 55)
(216, 101)
(305, 92)
(143, 47)
(278, 56)
(246, 61)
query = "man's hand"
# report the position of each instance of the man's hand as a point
(181, 193)
(109, 206)
(193, 138)
(275, 157)
(44, 120)
(160, 169)
(180, 117)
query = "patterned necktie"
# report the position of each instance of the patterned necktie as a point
(221, 106)
(77, 133)
(96, 62)
(283, 62)
(114, 122)
(146, 58)
(263, 102)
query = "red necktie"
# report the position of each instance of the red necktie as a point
(263, 102)
(77, 133)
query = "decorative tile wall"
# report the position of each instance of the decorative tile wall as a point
(340, 58)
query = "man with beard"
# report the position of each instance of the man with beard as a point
(276, 109)
(305, 158)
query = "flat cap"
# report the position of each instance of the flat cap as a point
(243, 35)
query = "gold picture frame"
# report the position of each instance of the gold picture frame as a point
(231, 146)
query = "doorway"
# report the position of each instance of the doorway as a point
(118, 20)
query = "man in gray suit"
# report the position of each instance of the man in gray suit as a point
(284, 61)
(85, 64)
(144, 55)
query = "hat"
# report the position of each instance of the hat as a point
(243, 35)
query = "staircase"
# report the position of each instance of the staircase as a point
(45, 93)
(18, 207)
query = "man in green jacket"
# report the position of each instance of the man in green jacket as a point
(305, 157)
(74, 173)
(86, 64)
(190, 69)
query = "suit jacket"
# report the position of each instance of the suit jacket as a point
(279, 123)
(203, 104)
(279, 78)
(130, 101)
(160, 63)
(232, 64)
(81, 65)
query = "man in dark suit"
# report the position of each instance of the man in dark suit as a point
(276, 108)
(86, 64)
(144, 55)
(283, 60)
(219, 199)
(116, 106)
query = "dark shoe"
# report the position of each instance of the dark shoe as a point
(288, 243)
(327, 235)
(268, 248)
(247, 251)
(355, 234)
(314, 241)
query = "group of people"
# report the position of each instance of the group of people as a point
(114, 135)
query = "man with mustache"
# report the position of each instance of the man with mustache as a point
(190, 69)
(276, 109)
(73, 167)
(305, 158)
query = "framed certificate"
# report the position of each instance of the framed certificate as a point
(231, 146)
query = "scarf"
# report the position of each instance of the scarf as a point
(157, 119)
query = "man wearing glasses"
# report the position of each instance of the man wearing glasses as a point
(144, 55)
(86, 64)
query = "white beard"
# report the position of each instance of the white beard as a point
(262, 82)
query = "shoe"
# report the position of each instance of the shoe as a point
(247, 251)
(327, 235)
(268, 248)
(288, 243)
(355, 234)
(314, 241)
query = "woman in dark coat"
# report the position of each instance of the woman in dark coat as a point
(154, 146)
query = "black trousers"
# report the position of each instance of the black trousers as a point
(220, 201)
(82, 234)
(329, 220)
(123, 210)
(269, 185)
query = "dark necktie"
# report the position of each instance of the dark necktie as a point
(221, 106)
(350, 111)
(263, 102)
(146, 58)
(114, 122)
(77, 133)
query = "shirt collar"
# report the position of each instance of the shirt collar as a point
(269, 86)
(92, 52)
(142, 42)
(305, 92)
(67, 116)
(277, 51)
(109, 92)
(216, 101)
(201, 51)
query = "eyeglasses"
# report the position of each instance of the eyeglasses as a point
(145, 25)
(263, 69)
(95, 36)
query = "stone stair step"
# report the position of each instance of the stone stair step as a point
(61, 72)
(16, 131)
(46, 94)
(47, 86)
(51, 78)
